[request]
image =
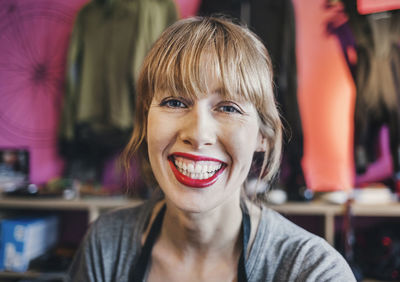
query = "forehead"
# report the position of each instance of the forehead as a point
(198, 80)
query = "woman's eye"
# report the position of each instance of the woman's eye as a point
(173, 103)
(229, 109)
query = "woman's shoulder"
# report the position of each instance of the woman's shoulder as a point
(287, 252)
(112, 238)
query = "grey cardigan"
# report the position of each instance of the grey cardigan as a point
(281, 250)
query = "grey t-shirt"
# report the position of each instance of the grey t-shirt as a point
(281, 250)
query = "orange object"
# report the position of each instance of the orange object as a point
(326, 94)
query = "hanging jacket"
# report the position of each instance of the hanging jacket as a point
(108, 44)
(377, 78)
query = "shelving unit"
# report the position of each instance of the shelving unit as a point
(93, 207)
(50, 276)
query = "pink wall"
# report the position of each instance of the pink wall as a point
(33, 44)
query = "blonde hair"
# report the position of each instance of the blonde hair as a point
(240, 63)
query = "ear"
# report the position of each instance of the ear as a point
(261, 143)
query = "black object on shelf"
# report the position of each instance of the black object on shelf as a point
(57, 260)
(377, 251)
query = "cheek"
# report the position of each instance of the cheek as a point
(240, 142)
(158, 135)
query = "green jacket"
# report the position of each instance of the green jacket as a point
(108, 44)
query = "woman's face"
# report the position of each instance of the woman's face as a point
(200, 151)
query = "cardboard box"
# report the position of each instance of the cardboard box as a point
(23, 239)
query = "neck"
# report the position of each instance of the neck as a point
(213, 232)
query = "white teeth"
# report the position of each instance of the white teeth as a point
(197, 167)
(197, 170)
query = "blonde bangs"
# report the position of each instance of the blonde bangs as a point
(187, 59)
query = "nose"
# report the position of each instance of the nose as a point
(199, 128)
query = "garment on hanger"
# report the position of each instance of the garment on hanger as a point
(377, 78)
(108, 44)
(274, 22)
(326, 93)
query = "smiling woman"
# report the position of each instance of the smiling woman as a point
(205, 108)
(191, 61)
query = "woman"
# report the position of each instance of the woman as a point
(205, 108)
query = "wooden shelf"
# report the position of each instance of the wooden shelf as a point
(323, 208)
(94, 205)
(48, 276)
(379, 210)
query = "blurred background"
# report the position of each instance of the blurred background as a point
(67, 100)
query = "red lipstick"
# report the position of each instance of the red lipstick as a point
(195, 183)
(195, 158)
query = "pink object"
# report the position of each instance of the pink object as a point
(326, 94)
(382, 168)
(187, 8)
(34, 38)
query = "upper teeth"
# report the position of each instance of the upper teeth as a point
(197, 167)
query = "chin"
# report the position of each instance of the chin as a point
(195, 201)
(191, 202)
